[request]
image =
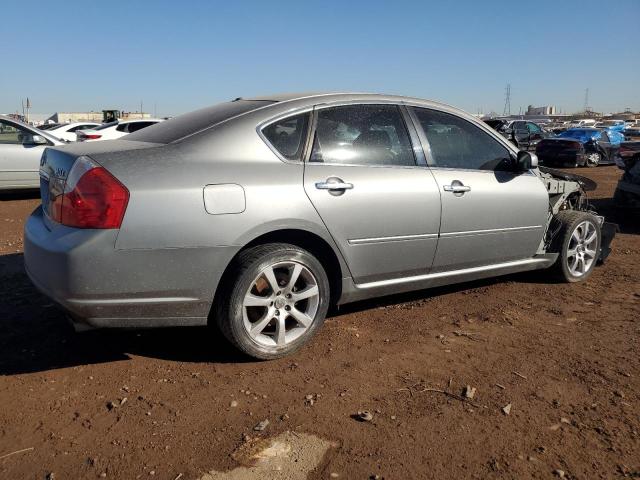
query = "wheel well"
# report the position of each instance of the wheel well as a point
(311, 242)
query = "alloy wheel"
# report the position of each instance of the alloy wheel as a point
(280, 304)
(581, 252)
(593, 159)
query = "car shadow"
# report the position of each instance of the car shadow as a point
(35, 335)
(23, 194)
(627, 219)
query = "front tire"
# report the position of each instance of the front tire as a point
(578, 244)
(276, 301)
(593, 159)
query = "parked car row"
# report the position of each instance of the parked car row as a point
(586, 144)
(22, 145)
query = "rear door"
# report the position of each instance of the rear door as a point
(374, 193)
(490, 214)
(607, 148)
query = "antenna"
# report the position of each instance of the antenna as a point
(507, 100)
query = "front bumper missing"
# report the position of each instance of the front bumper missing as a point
(608, 231)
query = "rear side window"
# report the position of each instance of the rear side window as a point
(135, 126)
(193, 122)
(457, 143)
(106, 125)
(123, 127)
(287, 136)
(362, 135)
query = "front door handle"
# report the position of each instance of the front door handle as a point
(334, 183)
(456, 187)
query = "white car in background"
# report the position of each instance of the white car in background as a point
(68, 131)
(21, 147)
(113, 130)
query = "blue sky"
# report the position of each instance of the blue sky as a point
(182, 55)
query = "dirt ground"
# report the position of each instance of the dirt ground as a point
(565, 357)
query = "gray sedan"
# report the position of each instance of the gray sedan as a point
(258, 214)
(21, 148)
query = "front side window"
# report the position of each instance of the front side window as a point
(12, 134)
(362, 135)
(604, 137)
(288, 135)
(457, 143)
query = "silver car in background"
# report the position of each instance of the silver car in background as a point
(21, 147)
(258, 214)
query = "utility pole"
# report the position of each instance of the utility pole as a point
(28, 107)
(507, 101)
(586, 100)
(141, 110)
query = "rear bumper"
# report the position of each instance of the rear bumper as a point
(101, 286)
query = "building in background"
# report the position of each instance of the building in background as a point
(102, 116)
(546, 110)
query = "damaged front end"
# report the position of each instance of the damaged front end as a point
(568, 191)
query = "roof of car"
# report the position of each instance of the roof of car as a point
(339, 96)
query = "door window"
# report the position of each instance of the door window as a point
(457, 143)
(288, 135)
(604, 137)
(135, 126)
(533, 128)
(12, 134)
(362, 135)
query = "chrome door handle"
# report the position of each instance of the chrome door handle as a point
(456, 188)
(334, 184)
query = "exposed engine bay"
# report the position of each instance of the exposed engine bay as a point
(568, 191)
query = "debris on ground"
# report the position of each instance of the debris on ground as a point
(364, 416)
(469, 392)
(262, 425)
(506, 409)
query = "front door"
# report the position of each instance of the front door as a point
(382, 209)
(490, 214)
(19, 157)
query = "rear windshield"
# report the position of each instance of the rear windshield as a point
(189, 123)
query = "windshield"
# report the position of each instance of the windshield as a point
(193, 122)
(578, 133)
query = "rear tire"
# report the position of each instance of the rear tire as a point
(275, 302)
(578, 245)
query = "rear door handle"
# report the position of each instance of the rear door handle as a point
(456, 188)
(334, 183)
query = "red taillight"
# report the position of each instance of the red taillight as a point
(93, 198)
(90, 136)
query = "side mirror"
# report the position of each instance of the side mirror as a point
(526, 161)
(34, 140)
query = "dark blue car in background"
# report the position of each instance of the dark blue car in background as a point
(580, 147)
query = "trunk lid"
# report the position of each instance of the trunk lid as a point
(56, 163)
